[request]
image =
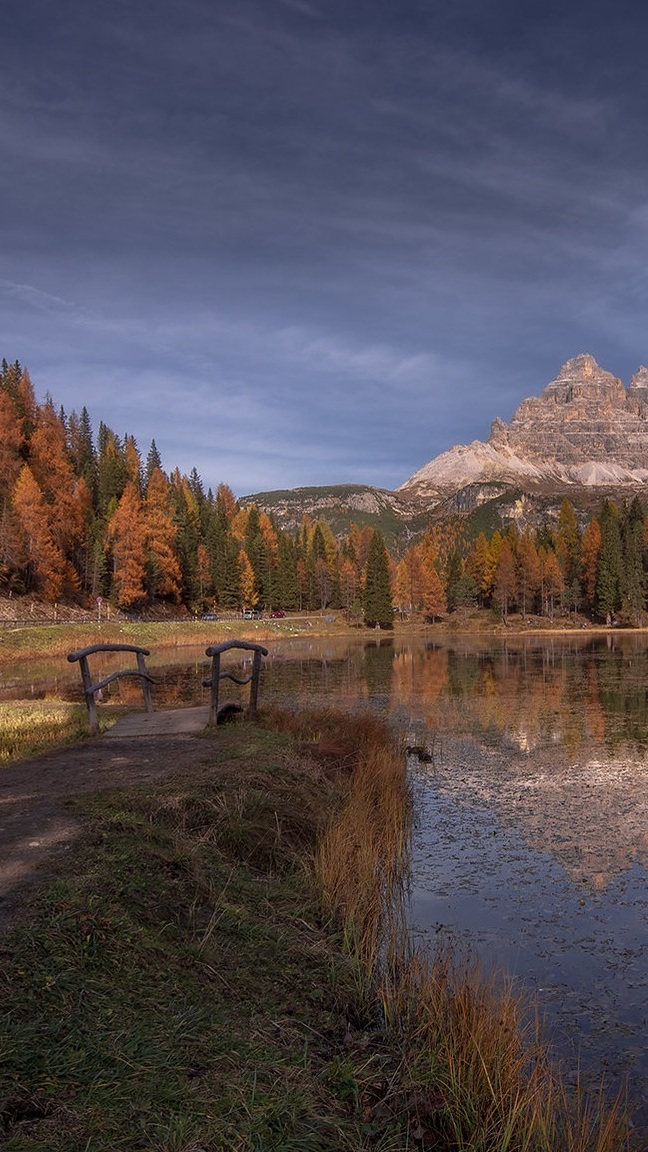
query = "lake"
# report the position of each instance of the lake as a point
(531, 833)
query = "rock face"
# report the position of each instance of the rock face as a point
(585, 436)
(584, 431)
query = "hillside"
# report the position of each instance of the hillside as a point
(395, 515)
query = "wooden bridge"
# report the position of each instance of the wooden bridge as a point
(173, 721)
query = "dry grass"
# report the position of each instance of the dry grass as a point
(474, 1075)
(184, 987)
(27, 728)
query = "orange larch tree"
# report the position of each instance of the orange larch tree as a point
(435, 601)
(504, 582)
(590, 551)
(163, 570)
(249, 594)
(11, 440)
(66, 496)
(44, 561)
(127, 535)
(528, 571)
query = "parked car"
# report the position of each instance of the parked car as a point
(209, 616)
(251, 614)
(278, 615)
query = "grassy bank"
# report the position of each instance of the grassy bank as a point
(30, 727)
(223, 967)
(31, 641)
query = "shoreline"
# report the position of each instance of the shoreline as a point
(22, 640)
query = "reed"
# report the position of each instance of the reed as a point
(474, 1074)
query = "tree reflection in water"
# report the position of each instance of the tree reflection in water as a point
(531, 840)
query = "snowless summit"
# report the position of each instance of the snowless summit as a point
(585, 430)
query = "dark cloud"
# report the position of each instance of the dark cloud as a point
(346, 235)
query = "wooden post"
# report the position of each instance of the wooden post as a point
(254, 686)
(88, 692)
(215, 681)
(146, 682)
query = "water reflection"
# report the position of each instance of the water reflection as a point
(531, 841)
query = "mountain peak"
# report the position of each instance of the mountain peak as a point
(583, 430)
(582, 378)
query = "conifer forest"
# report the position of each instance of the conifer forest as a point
(85, 515)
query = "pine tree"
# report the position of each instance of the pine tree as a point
(478, 566)
(568, 543)
(287, 596)
(608, 584)
(187, 519)
(112, 472)
(153, 461)
(378, 607)
(81, 450)
(633, 577)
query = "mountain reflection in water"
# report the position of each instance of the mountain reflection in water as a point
(531, 839)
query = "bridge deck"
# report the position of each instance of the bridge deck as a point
(178, 721)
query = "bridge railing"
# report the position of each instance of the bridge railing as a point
(215, 651)
(90, 690)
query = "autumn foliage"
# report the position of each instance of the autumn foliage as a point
(84, 516)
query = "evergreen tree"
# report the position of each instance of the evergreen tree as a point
(287, 595)
(633, 577)
(81, 450)
(187, 520)
(608, 584)
(454, 574)
(112, 472)
(378, 607)
(153, 461)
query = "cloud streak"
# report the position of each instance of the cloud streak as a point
(347, 236)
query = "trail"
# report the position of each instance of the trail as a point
(37, 825)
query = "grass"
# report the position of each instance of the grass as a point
(224, 966)
(27, 728)
(175, 987)
(30, 641)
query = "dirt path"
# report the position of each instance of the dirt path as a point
(35, 824)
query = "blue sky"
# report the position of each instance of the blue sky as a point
(319, 241)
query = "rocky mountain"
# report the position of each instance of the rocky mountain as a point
(584, 431)
(585, 436)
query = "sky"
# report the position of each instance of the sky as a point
(305, 242)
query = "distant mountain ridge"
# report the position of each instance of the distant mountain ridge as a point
(585, 436)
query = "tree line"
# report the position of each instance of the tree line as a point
(85, 516)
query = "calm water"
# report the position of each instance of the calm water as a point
(531, 837)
